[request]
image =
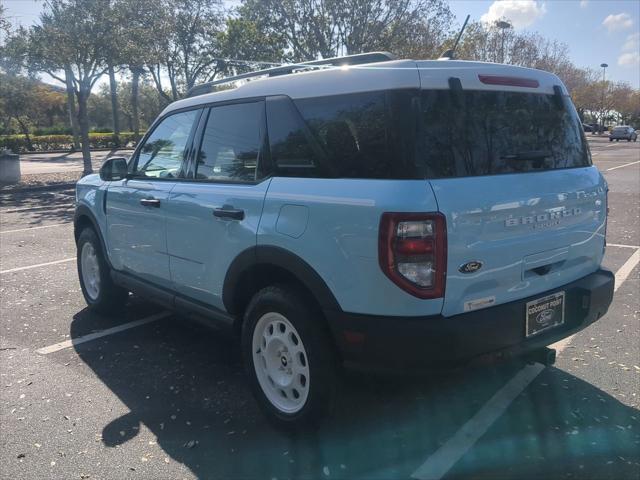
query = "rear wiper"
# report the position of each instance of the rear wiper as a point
(531, 155)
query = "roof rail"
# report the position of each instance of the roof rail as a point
(372, 57)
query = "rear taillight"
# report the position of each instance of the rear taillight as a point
(412, 251)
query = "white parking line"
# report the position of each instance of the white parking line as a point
(625, 165)
(622, 246)
(94, 336)
(438, 464)
(26, 209)
(35, 228)
(38, 265)
(625, 270)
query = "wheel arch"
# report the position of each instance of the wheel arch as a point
(262, 265)
(84, 218)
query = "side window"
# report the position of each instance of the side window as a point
(231, 142)
(163, 151)
(352, 131)
(292, 153)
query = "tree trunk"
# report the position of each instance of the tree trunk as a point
(114, 104)
(135, 81)
(25, 130)
(71, 106)
(83, 120)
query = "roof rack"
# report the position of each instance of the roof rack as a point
(359, 59)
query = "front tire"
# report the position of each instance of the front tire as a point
(289, 357)
(99, 291)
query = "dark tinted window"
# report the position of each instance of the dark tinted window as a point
(162, 154)
(231, 142)
(485, 133)
(352, 132)
(292, 149)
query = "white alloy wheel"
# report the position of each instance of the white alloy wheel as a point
(90, 270)
(281, 363)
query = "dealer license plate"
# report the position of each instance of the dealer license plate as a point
(545, 313)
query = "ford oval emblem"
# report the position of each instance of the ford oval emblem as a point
(470, 267)
(544, 317)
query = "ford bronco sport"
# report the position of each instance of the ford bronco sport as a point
(362, 212)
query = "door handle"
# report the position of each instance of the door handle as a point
(150, 202)
(228, 212)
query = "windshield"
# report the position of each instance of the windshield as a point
(486, 133)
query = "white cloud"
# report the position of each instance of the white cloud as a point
(621, 21)
(632, 43)
(584, 3)
(631, 59)
(631, 51)
(521, 13)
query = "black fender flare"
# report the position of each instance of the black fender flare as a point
(83, 211)
(268, 255)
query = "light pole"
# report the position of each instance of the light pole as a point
(604, 87)
(502, 25)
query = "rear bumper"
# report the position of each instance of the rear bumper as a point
(417, 343)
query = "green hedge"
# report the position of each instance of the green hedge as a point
(43, 143)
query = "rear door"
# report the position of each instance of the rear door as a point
(215, 215)
(135, 207)
(512, 173)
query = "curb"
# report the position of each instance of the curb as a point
(42, 152)
(37, 188)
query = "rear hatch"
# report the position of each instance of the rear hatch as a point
(512, 173)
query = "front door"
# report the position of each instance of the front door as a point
(214, 217)
(135, 207)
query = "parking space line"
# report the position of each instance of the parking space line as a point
(621, 166)
(26, 209)
(18, 269)
(438, 464)
(625, 270)
(35, 228)
(619, 245)
(94, 336)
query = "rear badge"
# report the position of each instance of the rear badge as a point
(470, 267)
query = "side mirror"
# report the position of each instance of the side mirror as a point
(114, 168)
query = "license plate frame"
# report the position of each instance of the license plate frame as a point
(544, 313)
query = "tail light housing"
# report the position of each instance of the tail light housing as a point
(412, 251)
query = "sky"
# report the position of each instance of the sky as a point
(596, 31)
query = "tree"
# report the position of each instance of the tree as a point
(71, 37)
(185, 48)
(26, 103)
(329, 28)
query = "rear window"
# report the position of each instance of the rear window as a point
(471, 133)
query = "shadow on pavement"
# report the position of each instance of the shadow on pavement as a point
(43, 206)
(186, 384)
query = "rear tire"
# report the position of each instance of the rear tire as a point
(289, 357)
(611, 139)
(98, 289)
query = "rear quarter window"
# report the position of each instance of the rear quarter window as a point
(364, 135)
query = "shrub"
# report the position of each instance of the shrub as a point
(52, 131)
(43, 143)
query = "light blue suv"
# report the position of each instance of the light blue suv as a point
(361, 212)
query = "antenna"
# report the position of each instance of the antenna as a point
(451, 53)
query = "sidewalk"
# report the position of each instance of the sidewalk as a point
(53, 171)
(39, 163)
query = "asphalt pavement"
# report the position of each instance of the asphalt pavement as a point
(149, 395)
